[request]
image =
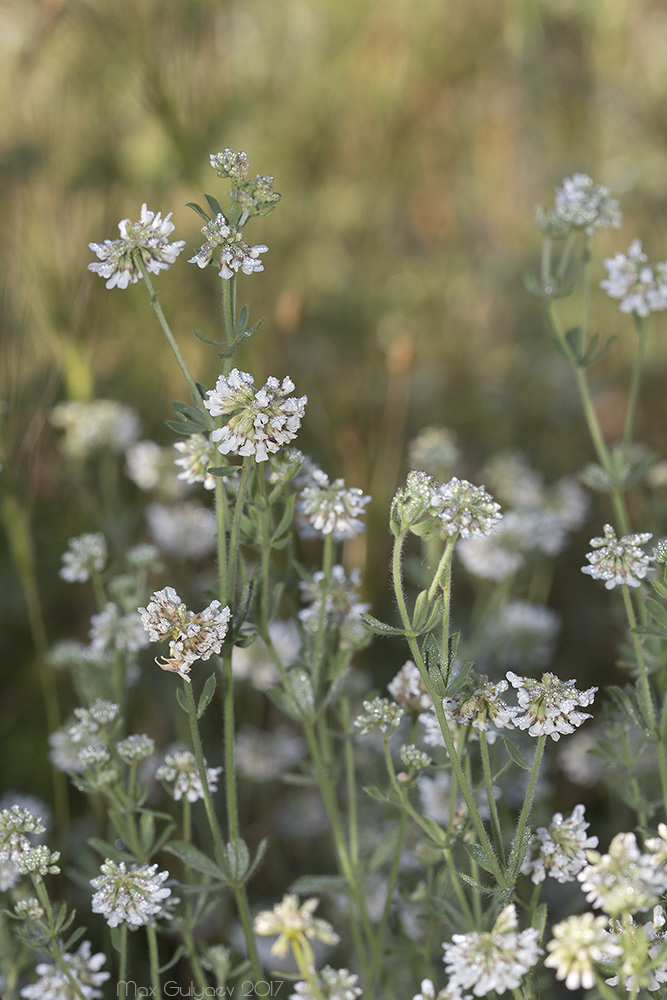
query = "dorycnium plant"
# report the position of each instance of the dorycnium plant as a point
(423, 819)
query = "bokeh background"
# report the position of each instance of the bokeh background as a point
(411, 141)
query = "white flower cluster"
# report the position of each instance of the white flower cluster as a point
(408, 689)
(641, 287)
(191, 636)
(180, 770)
(83, 967)
(198, 455)
(618, 561)
(461, 508)
(579, 943)
(479, 704)
(111, 629)
(225, 244)
(101, 423)
(135, 896)
(493, 960)
(146, 239)
(331, 984)
(258, 423)
(293, 922)
(380, 713)
(548, 707)
(625, 880)
(86, 554)
(343, 610)
(559, 850)
(582, 204)
(332, 508)
(186, 529)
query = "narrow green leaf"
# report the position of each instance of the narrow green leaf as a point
(259, 854)
(182, 428)
(213, 204)
(375, 625)
(206, 696)
(147, 832)
(223, 470)
(236, 860)
(180, 698)
(195, 858)
(207, 340)
(515, 754)
(198, 209)
(478, 854)
(385, 850)
(242, 320)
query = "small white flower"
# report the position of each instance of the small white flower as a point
(136, 747)
(89, 427)
(145, 240)
(460, 508)
(549, 705)
(134, 897)
(86, 554)
(111, 629)
(332, 984)
(191, 636)
(224, 244)
(380, 713)
(180, 769)
(578, 945)
(478, 703)
(494, 960)
(294, 923)
(84, 969)
(186, 530)
(559, 850)
(582, 204)
(257, 423)
(642, 288)
(408, 689)
(618, 561)
(230, 164)
(332, 508)
(198, 455)
(17, 825)
(624, 880)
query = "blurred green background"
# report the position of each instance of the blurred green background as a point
(410, 140)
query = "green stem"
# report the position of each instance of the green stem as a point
(171, 340)
(53, 946)
(515, 855)
(318, 650)
(331, 806)
(640, 326)
(488, 784)
(122, 950)
(151, 934)
(436, 698)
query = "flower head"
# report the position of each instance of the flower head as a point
(641, 287)
(294, 924)
(460, 508)
(134, 897)
(136, 747)
(343, 610)
(478, 703)
(581, 204)
(493, 960)
(618, 560)
(180, 770)
(435, 451)
(89, 427)
(549, 705)
(145, 240)
(84, 969)
(17, 825)
(258, 423)
(37, 861)
(624, 880)
(559, 849)
(332, 508)
(408, 689)
(578, 945)
(191, 636)
(225, 246)
(113, 630)
(86, 554)
(380, 713)
(198, 455)
(332, 984)
(230, 164)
